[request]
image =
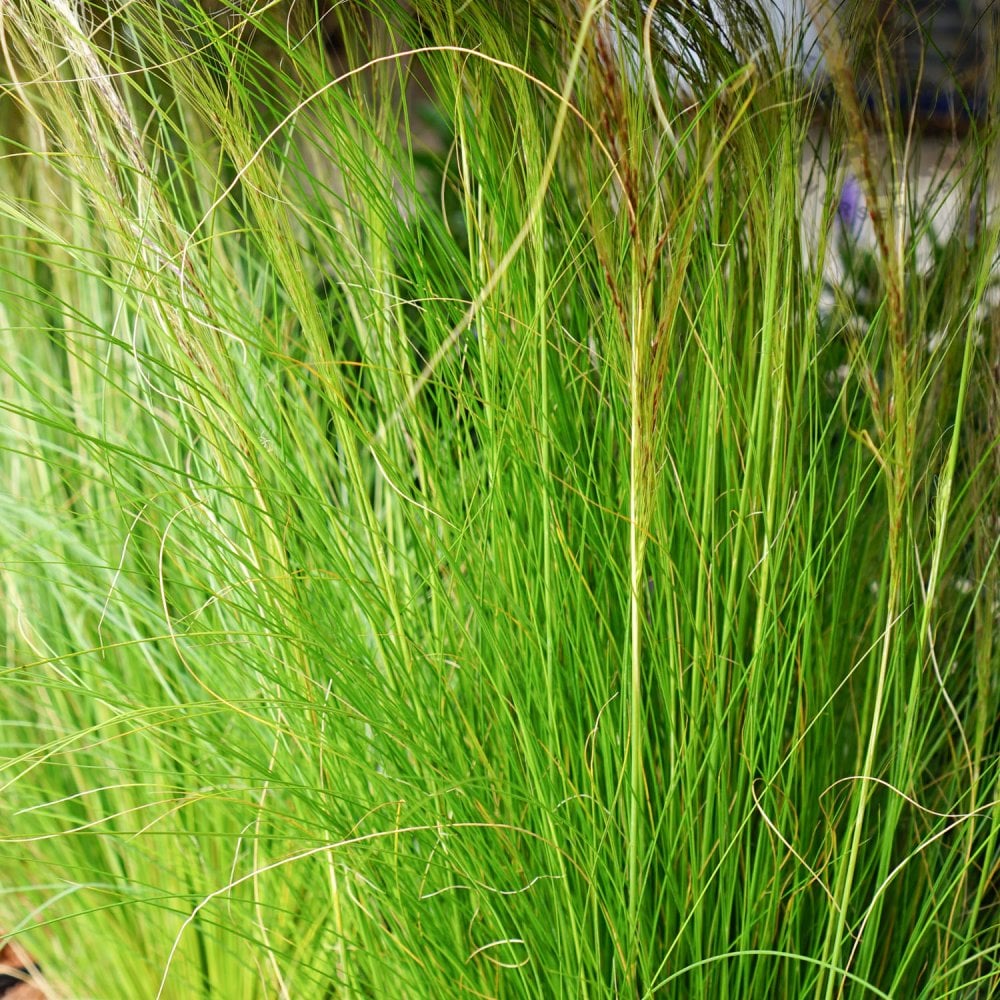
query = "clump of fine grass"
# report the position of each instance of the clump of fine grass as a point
(460, 553)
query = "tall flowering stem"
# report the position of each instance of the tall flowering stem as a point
(895, 418)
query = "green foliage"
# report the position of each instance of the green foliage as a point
(448, 545)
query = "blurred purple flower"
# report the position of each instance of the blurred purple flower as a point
(852, 209)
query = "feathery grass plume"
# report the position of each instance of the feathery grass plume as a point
(450, 543)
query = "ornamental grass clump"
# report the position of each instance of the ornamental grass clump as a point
(462, 536)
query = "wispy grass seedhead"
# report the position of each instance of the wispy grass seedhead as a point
(466, 532)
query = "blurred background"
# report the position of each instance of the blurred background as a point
(940, 51)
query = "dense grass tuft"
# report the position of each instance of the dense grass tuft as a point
(457, 539)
